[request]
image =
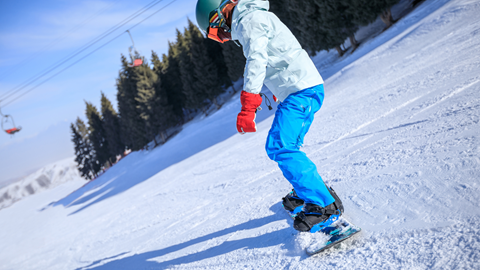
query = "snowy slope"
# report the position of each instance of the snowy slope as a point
(397, 137)
(48, 177)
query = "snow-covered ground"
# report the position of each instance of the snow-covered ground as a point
(46, 178)
(397, 137)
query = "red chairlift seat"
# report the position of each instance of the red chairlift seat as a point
(13, 130)
(136, 62)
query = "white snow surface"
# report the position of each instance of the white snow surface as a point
(48, 177)
(397, 138)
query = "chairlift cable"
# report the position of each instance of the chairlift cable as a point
(54, 43)
(82, 49)
(85, 56)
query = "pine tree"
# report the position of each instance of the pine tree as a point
(97, 134)
(365, 12)
(282, 8)
(158, 66)
(334, 22)
(111, 124)
(145, 98)
(206, 74)
(78, 146)
(234, 60)
(126, 104)
(317, 24)
(171, 81)
(215, 54)
(132, 124)
(84, 153)
(300, 15)
(304, 19)
(163, 115)
(194, 98)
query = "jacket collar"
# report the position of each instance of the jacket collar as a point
(243, 8)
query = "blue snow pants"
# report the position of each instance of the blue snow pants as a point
(292, 121)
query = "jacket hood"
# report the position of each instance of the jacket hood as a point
(245, 7)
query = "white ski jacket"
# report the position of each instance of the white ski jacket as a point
(274, 56)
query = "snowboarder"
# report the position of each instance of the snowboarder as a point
(276, 59)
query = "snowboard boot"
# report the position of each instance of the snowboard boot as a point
(315, 218)
(292, 203)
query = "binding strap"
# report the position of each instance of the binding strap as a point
(323, 213)
(288, 204)
(304, 219)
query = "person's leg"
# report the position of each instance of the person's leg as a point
(292, 121)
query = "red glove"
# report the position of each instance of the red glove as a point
(246, 118)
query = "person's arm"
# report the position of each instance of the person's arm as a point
(253, 33)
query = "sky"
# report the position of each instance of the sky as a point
(36, 36)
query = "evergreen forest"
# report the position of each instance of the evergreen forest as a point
(156, 98)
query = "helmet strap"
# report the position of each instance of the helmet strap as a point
(228, 13)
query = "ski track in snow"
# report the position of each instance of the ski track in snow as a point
(397, 137)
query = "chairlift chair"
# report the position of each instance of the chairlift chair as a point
(12, 129)
(137, 60)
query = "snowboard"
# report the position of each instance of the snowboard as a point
(336, 233)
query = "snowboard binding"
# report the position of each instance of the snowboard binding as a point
(314, 218)
(292, 204)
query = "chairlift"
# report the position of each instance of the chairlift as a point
(8, 124)
(137, 60)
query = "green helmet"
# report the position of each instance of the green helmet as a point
(203, 10)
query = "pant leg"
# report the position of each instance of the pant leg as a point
(292, 121)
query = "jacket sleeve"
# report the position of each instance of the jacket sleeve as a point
(253, 35)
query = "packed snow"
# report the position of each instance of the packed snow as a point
(397, 138)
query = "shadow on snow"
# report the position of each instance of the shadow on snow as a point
(144, 260)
